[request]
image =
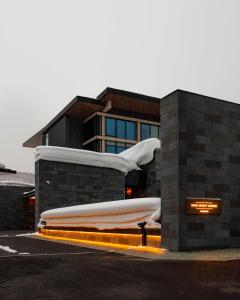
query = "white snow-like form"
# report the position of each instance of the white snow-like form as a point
(128, 160)
(85, 157)
(14, 183)
(120, 214)
(7, 249)
(26, 234)
(142, 153)
(154, 217)
(19, 179)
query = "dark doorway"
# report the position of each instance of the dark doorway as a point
(29, 216)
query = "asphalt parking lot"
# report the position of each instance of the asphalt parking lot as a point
(49, 270)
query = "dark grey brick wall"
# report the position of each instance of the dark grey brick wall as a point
(203, 134)
(61, 184)
(153, 176)
(169, 173)
(12, 207)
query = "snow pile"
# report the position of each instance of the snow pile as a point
(120, 214)
(130, 159)
(14, 183)
(19, 179)
(7, 249)
(84, 157)
(142, 153)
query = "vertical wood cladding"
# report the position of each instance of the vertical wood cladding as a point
(207, 157)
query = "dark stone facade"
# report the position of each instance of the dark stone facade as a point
(60, 184)
(13, 207)
(152, 187)
(200, 158)
(146, 182)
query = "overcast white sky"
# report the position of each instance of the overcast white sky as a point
(53, 50)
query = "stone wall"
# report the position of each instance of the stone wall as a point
(152, 186)
(201, 158)
(12, 207)
(60, 184)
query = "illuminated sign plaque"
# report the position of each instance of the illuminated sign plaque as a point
(203, 206)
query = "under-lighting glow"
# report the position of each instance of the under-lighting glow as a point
(102, 237)
(109, 246)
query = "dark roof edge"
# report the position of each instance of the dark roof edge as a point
(8, 171)
(60, 114)
(128, 94)
(197, 94)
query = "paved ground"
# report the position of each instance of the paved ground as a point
(58, 271)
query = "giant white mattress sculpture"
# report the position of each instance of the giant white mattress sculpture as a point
(120, 214)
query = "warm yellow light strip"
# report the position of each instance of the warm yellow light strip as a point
(100, 234)
(109, 245)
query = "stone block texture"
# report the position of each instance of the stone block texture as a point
(13, 207)
(152, 185)
(200, 158)
(60, 184)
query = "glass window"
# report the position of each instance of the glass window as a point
(130, 130)
(120, 147)
(154, 131)
(110, 147)
(121, 129)
(145, 131)
(110, 127)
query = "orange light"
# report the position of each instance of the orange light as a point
(103, 237)
(108, 245)
(204, 211)
(129, 191)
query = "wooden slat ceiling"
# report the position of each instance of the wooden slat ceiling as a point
(82, 110)
(133, 104)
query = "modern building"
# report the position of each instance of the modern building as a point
(113, 122)
(198, 164)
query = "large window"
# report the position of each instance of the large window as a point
(149, 131)
(121, 129)
(116, 147)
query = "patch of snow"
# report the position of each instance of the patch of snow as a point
(4, 235)
(32, 191)
(19, 179)
(23, 253)
(84, 157)
(7, 249)
(154, 217)
(142, 153)
(30, 233)
(105, 215)
(128, 160)
(14, 183)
